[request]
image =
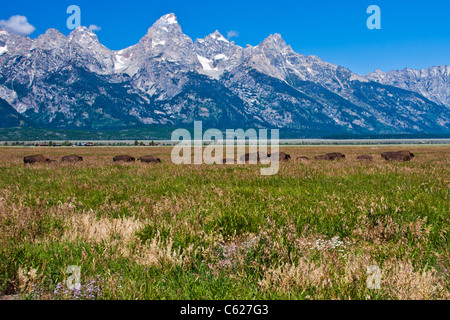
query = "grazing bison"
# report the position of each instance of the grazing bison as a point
(322, 158)
(72, 158)
(397, 156)
(253, 156)
(330, 156)
(336, 155)
(124, 158)
(282, 156)
(36, 159)
(365, 157)
(150, 159)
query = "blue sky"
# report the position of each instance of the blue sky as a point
(414, 34)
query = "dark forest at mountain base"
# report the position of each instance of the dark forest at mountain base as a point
(164, 133)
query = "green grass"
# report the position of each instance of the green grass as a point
(213, 232)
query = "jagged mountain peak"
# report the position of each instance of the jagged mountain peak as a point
(378, 71)
(214, 39)
(273, 45)
(443, 69)
(11, 43)
(166, 32)
(53, 33)
(8, 36)
(275, 40)
(83, 29)
(83, 36)
(3, 31)
(218, 36)
(52, 39)
(275, 37)
(170, 18)
(166, 24)
(217, 54)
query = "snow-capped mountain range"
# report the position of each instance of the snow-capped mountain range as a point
(75, 82)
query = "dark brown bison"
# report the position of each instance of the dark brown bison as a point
(124, 158)
(149, 159)
(336, 155)
(253, 157)
(330, 156)
(398, 156)
(72, 158)
(323, 157)
(36, 159)
(365, 157)
(282, 156)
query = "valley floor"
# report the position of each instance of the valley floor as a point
(141, 231)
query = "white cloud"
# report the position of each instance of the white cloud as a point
(232, 34)
(94, 28)
(18, 25)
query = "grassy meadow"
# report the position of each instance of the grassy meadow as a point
(161, 231)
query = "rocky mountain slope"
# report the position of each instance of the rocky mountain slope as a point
(75, 82)
(433, 83)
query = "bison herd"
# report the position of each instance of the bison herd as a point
(74, 158)
(145, 159)
(261, 156)
(388, 156)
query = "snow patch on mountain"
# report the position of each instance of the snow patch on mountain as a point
(121, 62)
(206, 63)
(220, 57)
(207, 69)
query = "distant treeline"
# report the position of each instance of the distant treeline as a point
(387, 136)
(34, 134)
(164, 133)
